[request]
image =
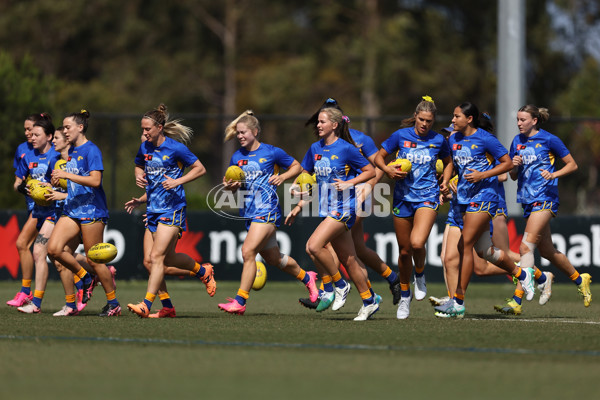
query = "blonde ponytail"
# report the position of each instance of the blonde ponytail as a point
(248, 118)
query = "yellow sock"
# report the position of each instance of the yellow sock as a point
(574, 276)
(460, 296)
(26, 283)
(519, 293)
(112, 296)
(70, 298)
(365, 295)
(164, 296)
(149, 296)
(419, 270)
(326, 279)
(81, 273)
(387, 272)
(404, 287)
(195, 270)
(243, 294)
(536, 272)
(39, 294)
(76, 278)
(369, 283)
(321, 286)
(336, 277)
(301, 275)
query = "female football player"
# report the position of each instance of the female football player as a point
(416, 194)
(533, 153)
(85, 212)
(366, 256)
(261, 163)
(338, 166)
(159, 169)
(477, 197)
(29, 230)
(38, 165)
(168, 309)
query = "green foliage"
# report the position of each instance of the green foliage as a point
(23, 91)
(127, 57)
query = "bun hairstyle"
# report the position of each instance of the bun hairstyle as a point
(248, 118)
(172, 129)
(80, 118)
(343, 130)
(329, 103)
(483, 121)
(541, 114)
(426, 105)
(45, 122)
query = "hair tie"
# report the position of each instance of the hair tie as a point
(330, 101)
(486, 116)
(428, 99)
(250, 112)
(346, 118)
(83, 111)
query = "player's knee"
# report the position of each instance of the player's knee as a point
(493, 255)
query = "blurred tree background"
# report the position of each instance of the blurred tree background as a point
(210, 60)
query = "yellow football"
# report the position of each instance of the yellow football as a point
(261, 276)
(305, 181)
(235, 173)
(401, 164)
(37, 192)
(439, 167)
(454, 180)
(61, 164)
(102, 253)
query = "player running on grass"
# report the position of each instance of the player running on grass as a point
(29, 230)
(477, 197)
(366, 256)
(534, 152)
(168, 309)
(338, 166)
(85, 212)
(159, 168)
(416, 194)
(37, 164)
(261, 163)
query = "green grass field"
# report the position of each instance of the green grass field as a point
(280, 350)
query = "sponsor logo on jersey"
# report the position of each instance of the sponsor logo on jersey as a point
(521, 147)
(474, 146)
(334, 157)
(165, 157)
(262, 160)
(33, 165)
(537, 146)
(456, 146)
(318, 157)
(409, 144)
(242, 162)
(147, 157)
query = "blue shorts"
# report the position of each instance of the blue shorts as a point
(454, 216)
(346, 218)
(89, 221)
(271, 218)
(540, 206)
(407, 209)
(489, 207)
(501, 210)
(169, 218)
